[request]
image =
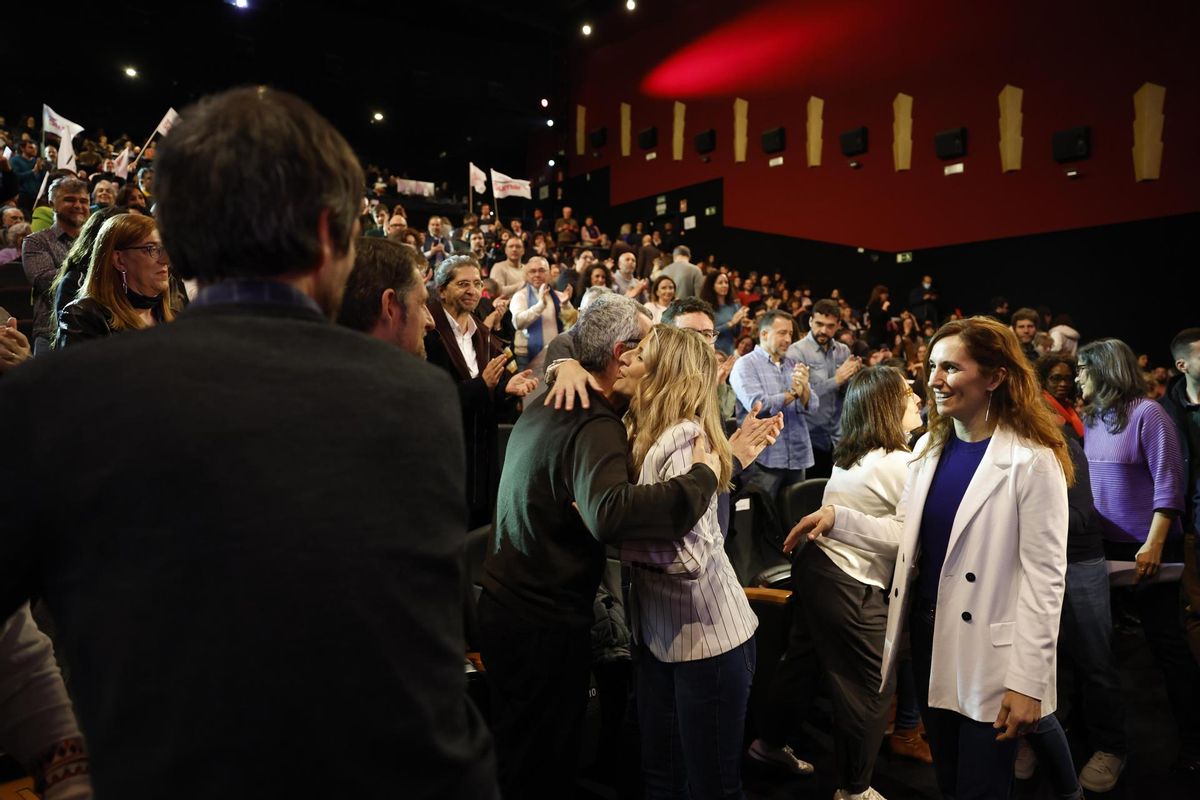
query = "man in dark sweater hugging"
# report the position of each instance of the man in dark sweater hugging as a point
(565, 494)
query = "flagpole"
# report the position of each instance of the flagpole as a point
(470, 198)
(133, 166)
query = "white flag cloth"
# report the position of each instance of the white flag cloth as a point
(121, 165)
(478, 179)
(66, 131)
(42, 188)
(505, 186)
(168, 121)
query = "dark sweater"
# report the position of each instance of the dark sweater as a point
(547, 559)
(1083, 534)
(249, 536)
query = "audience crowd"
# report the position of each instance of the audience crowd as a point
(273, 509)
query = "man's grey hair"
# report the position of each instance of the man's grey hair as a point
(65, 185)
(607, 321)
(446, 269)
(682, 250)
(591, 294)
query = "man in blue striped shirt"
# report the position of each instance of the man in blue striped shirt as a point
(830, 366)
(766, 375)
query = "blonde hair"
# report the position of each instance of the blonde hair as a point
(1017, 402)
(103, 282)
(680, 384)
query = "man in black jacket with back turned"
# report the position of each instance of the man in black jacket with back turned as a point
(564, 495)
(249, 533)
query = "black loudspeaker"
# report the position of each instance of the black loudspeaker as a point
(774, 140)
(648, 139)
(950, 144)
(1074, 144)
(598, 138)
(706, 141)
(854, 143)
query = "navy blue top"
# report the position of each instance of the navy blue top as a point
(954, 472)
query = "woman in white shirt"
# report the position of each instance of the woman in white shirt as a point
(841, 613)
(691, 618)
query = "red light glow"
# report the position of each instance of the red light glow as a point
(770, 48)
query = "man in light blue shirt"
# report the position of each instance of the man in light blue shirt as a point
(830, 365)
(767, 376)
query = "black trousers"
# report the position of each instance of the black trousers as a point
(822, 464)
(538, 676)
(837, 631)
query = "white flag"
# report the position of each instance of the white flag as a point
(121, 165)
(7, 152)
(168, 121)
(478, 179)
(66, 130)
(505, 186)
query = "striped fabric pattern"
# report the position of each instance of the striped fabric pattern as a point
(1135, 471)
(686, 602)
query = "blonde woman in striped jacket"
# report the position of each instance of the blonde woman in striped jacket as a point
(694, 626)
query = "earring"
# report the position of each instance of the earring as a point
(124, 282)
(988, 412)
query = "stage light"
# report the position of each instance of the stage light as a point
(550, 163)
(587, 29)
(549, 123)
(630, 4)
(545, 103)
(130, 72)
(377, 116)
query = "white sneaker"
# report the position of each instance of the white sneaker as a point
(1026, 763)
(867, 794)
(1101, 771)
(782, 757)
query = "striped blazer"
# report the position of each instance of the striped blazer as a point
(686, 602)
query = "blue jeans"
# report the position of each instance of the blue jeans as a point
(771, 480)
(1085, 656)
(692, 716)
(908, 710)
(968, 761)
(1049, 742)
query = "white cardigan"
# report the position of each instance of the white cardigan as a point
(1001, 588)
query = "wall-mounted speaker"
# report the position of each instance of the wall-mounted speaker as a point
(598, 138)
(706, 141)
(950, 144)
(1074, 144)
(854, 142)
(648, 139)
(774, 140)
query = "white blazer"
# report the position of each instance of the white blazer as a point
(1001, 588)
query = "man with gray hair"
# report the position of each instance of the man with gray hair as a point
(43, 252)
(564, 495)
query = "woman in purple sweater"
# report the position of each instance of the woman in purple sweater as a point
(1136, 470)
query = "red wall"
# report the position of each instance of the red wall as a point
(1077, 66)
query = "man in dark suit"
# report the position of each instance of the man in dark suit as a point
(251, 540)
(465, 347)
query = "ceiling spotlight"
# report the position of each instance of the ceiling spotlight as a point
(241, 3)
(131, 72)
(549, 123)
(377, 116)
(587, 29)
(630, 4)
(545, 103)
(550, 162)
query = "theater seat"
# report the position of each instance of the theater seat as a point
(774, 609)
(798, 501)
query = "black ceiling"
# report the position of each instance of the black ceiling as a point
(457, 77)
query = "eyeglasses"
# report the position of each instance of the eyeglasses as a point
(1058, 379)
(155, 251)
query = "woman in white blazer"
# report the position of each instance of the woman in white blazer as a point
(979, 542)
